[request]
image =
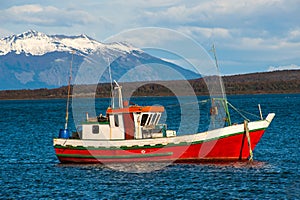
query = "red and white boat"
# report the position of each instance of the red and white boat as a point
(133, 134)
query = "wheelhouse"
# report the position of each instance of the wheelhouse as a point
(125, 122)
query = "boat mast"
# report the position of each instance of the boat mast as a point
(69, 90)
(119, 88)
(224, 100)
(111, 85)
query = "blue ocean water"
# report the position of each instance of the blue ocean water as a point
(30, 169)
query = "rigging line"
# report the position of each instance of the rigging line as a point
(174, 105)
(237, 111)
(219, 77)
(243, 111)
(248, 113)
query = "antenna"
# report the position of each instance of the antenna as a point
(69, 90)
(111, 85)
(221, 84)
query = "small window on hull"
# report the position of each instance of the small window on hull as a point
(95, 129)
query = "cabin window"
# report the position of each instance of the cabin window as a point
(149, 119)
(144, 119)
(157, 119)
(116, 120)
(153, 118)
(95, 129)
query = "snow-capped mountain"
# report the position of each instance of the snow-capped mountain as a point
(37, 44)
(37, 60)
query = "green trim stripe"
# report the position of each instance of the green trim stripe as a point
(100, 123)
(116, 156)
(208, 140)
(148, 146)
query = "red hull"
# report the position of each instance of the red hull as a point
(232, 147)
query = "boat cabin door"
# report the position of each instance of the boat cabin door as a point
(128, 126)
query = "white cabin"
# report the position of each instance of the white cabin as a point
(124, 122)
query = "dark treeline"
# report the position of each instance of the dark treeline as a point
(287, 81)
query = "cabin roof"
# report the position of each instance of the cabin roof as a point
(133, 109)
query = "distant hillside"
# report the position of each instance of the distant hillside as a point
(287, 81)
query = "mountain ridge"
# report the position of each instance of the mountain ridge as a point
(32, 60)
(83, 44)
(253, 83)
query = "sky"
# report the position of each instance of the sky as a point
(250, 36)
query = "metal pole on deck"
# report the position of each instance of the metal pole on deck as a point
(260, 113)
(69, 90)
(249, 140)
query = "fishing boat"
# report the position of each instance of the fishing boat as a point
(132, 133)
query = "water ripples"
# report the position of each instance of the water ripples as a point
(30, 170)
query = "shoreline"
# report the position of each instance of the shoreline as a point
(276, 82)
(62, 98)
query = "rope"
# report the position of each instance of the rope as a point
(249, 113)
(196, 102)
(238, 111)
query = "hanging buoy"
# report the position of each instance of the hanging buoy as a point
(64, 133)
(214, 110)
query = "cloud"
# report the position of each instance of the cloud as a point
(247, 34)
(294, 35)
(25, 77)
(206, 12)
(147, 37)
(37, 14)
(148, 4)
(251, 18)
(59, 60)
(206, 32)
(285, 67)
